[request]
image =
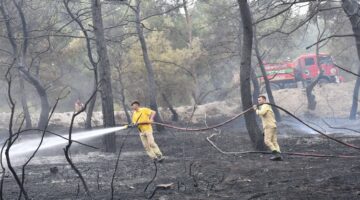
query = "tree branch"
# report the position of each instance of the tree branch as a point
(329, 37)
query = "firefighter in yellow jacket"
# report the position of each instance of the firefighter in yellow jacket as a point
(144, 117)
(269, 125)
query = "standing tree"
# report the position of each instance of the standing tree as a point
(148, 65)
(351, 8)
(104, 75)
(20, 56)
(266, 80)
(93, 62)
(245, 76)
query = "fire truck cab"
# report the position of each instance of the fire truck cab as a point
(307, 68)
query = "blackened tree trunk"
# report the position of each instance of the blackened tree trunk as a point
(188, 23)
(354, 105)
(266, 80)
(255, 83)
(90, 56)
(175, 116)
(92, 103)
(351, 8)
(20, 57)
(309, 95)
(104, 71)
(245, 76)
(45, 107)
(24, 103)
(122, 92)
(148, 65)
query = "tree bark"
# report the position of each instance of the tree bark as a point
(175, 116)
(21, 65)
(354, 105)
(188, 23)
(245, 76)
(309, 95)
(104, 71)
(149, 68)
(90, 110)
(21, 80)
(122, 94)
(256, 86)
(24, 104)
(90, 56)
(45, 107)
(351, 8)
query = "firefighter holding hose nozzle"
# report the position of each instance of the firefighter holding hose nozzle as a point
(269, 125)
(142, 118)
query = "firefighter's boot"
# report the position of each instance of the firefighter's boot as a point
(276, 156)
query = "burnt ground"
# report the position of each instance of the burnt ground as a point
(198, 170)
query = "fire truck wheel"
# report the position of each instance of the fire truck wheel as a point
(323, 81)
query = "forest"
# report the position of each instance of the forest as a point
(73, 71)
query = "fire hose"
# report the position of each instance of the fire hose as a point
(262, 152)
(199, 129)
(247, 110)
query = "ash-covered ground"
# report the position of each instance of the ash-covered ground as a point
(199, 171)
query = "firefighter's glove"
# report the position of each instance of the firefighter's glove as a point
(255, 107)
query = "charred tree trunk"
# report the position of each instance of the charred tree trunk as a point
(45, 107)
(351, 8)
(149, 68)
(90, 110)
(188, 23)
(92, 61)
(309, 95)
(123, 104)
(266, 80)
(122, 93)
(21, 80)
(175, 116)
(104, 75)
(24, 104)
(354, 105)
(20, 58)
(256, 86)
(245, 75)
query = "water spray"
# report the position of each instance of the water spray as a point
(49, 142)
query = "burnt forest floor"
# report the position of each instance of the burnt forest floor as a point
(197, 170)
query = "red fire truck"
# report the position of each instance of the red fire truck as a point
(303, 69)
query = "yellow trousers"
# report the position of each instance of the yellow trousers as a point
(149, 144)
(270, 139)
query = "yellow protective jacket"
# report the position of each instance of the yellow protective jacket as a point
(143, 116)
(267, 116)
